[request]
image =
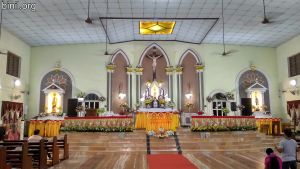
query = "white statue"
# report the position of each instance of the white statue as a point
(154, 57)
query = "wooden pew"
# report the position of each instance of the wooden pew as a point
(50, 146)
(3, 164)
(53, 150)
(63, 144)
(35, 150)
(19, 158)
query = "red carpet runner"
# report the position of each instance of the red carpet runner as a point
(169, 161)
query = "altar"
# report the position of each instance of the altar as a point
(156, 118)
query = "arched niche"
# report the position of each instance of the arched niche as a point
(60, 78)
(161, 76)
(190, 82)
(120, 82)
(254, 79)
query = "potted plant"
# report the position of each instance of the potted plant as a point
(225, 110)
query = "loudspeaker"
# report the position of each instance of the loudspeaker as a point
(72, 104)
(247, 103)
(233, 106)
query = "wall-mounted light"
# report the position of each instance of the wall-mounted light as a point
(293, 82)
(189, 95)
(293, 87)
(122, 96)
(17, 83)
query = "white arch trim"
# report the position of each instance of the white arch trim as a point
(94, 92)
(158, 47)
(193, 52)
(212, 93)
(63, 70)
(238, 99)
(120, 51)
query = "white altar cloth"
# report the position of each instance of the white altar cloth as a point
(156, 110)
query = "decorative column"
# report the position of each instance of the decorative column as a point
(110, 69)
(139, 72)
(178, 71)
(199, 70)
(129, 71)
(169, 72)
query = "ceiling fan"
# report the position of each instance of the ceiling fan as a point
(228, 52)
(272, 16)
(88, 19)
(265, 20)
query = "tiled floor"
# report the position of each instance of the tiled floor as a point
(222, 150)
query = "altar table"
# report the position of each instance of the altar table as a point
(273, 125)
(48, 128)
(156, 120)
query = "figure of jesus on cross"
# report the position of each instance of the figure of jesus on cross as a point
(154, 58)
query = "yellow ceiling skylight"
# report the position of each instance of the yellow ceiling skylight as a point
(156, 27)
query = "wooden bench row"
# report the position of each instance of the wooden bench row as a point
(37, 151)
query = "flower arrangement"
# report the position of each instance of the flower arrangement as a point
(229, 95)
(79, 108)
(81, 95)
(96, 129)
(209, 99)
(102, 99)
(137, 105)
(225, 110)
(161, 133)
(189, 106)
(171, 104)
(200, 112)
(222, 128)
(240, 107)
(148, 101)
(151, 133)
(162, 101)
(100, 111)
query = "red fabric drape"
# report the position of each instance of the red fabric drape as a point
(11, 112)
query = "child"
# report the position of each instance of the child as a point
(272, 161)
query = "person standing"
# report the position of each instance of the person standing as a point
(288, 147)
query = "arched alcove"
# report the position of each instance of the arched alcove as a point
(154, 62)
(120, 81)
(190, 82)
(60, 78)
(251, 80)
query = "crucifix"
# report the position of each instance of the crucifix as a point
(154, 56)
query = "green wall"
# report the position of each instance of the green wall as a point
(86, 63)
(9, 42)
(284, 51)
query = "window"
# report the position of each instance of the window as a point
(218, 104)
(13, 65)
(91, 101)
(294, 65)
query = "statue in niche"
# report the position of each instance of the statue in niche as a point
(54, 102)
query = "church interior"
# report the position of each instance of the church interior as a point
(147, 84)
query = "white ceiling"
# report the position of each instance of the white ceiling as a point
(62, 21)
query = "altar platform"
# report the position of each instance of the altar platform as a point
(270, 126)
(50, 126)
(156, 118)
